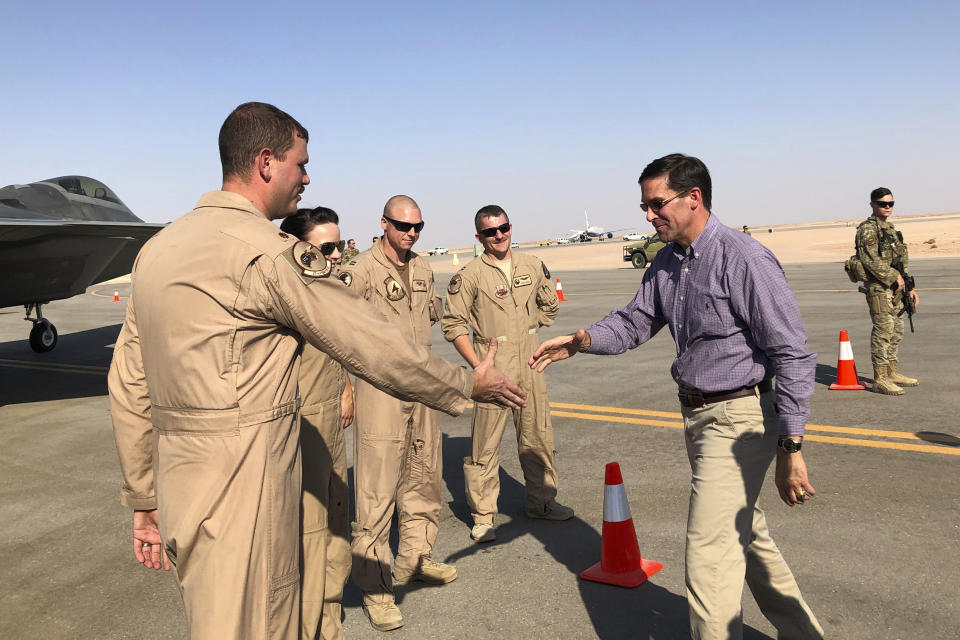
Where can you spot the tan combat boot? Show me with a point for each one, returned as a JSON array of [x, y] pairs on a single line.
[[429, 571], [882, 383], [384, 616], [899, 378]]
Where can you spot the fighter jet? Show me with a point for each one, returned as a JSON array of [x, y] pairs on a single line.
[[59, 236]]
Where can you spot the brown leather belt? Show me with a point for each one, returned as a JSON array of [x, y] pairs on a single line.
[[694, 398]]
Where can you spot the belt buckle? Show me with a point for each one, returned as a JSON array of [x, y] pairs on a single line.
[[692, 398]]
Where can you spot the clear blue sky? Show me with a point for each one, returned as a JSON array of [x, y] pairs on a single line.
[[548, 109]]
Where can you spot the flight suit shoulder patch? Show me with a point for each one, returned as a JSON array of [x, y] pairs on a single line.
[[546, 272], [346, 278], [455, 283], [307, 262]]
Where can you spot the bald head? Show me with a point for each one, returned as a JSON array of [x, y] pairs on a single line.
[[398, 204]]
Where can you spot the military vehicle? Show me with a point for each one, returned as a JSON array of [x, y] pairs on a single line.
[[639, 254]]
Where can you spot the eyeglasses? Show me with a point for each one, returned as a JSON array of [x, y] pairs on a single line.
[[327, 247], [659, 203], [883, 204], [492, 231], [404, 227]]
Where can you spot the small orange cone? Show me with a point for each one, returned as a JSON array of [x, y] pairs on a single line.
[[846, 369], [620, 560], [116, 295], [560, 291]]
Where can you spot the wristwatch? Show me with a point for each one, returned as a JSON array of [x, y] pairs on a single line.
[[789, 445]]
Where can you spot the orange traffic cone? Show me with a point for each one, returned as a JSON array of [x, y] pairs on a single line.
[[116, 295], [620, 560], [846, 369], [560, 291]]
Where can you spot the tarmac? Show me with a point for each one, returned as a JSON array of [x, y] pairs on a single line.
[[875, 553]]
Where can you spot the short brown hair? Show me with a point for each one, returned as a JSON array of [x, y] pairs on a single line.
[[489, 211], [683, 173], [251, 127]]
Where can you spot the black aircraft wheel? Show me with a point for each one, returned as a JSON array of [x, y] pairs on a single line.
[[43, 336], [639, 260]]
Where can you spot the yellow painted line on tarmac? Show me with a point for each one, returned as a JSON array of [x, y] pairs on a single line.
[[104, 295], [621, 419], [54, 366], [635, 412], [906, 435], [675, 421], [879, 444]]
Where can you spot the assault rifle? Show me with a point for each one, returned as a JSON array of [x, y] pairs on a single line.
[[908, 285]]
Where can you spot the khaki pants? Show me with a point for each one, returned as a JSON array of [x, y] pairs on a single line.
[[397, 466], [730, 446], [535, 445], [325, 545], [229, 506]]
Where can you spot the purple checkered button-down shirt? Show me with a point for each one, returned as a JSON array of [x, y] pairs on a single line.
[[733, 317]]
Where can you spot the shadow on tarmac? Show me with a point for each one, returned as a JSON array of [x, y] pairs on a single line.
[[937, 437], [649, 611], [38, 377]]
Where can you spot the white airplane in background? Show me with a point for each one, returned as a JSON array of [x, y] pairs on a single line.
[[589, 233]]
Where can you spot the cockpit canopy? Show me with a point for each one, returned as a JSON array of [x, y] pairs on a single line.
[[84, 186]]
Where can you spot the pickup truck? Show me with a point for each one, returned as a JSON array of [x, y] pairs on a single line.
[[437, 251]]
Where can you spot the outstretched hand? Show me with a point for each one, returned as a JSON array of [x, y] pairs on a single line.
[[491, 385], [147, 545], [555, 349]]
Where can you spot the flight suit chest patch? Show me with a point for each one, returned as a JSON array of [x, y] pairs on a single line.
[[523, 281], [502, 291], [308, 262], [419, 285], [394, 289]]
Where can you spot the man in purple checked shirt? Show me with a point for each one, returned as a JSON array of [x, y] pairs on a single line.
[[736, 326]]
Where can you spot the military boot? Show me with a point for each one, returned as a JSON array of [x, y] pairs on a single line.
[[428, 570], [899, 378], [384, 616], [882, 383]]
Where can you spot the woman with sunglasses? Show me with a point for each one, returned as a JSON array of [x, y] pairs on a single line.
[[326, 410], [883, 253]]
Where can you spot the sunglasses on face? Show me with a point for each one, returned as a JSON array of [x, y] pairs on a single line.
[[882, 204], [659, 203], [491, 232], [327, 247], [404, 227]]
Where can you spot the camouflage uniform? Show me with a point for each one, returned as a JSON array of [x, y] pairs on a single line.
[[879, 244], [349, 254]]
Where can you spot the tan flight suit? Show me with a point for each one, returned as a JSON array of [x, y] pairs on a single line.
[[325, 541], [397, 459], [480, 298], [203, 391]]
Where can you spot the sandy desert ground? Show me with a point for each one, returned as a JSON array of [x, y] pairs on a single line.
[[927, 236]]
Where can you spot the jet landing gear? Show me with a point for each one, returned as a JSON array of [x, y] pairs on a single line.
[[43, 336]]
